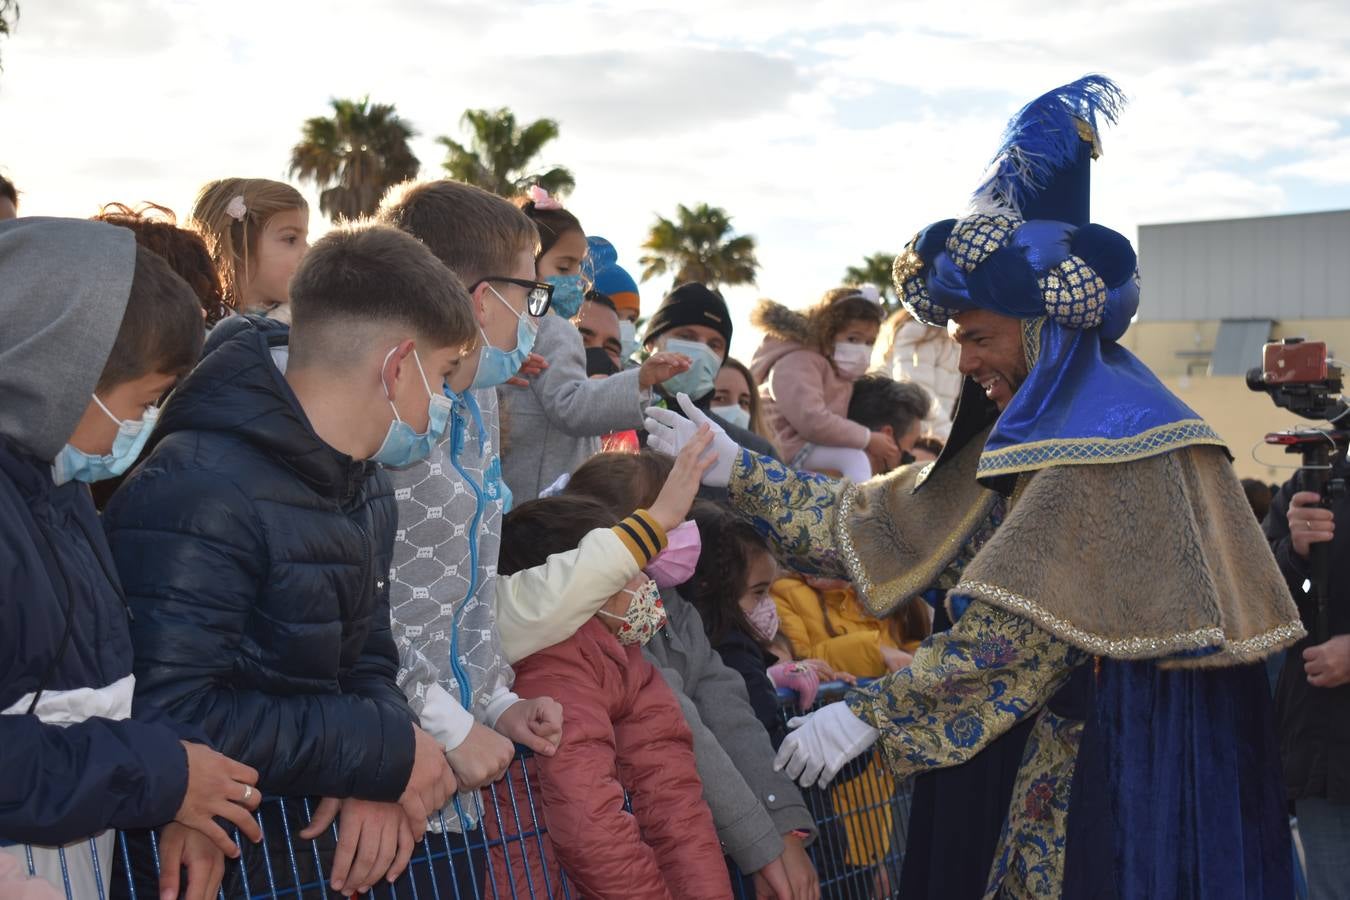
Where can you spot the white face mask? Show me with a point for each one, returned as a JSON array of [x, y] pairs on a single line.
[[735, 414], [852, 359], [628, 339]]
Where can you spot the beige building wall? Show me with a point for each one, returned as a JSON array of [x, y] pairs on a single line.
[[1178, 353]]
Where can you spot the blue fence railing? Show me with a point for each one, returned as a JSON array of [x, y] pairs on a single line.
[[862, 820]]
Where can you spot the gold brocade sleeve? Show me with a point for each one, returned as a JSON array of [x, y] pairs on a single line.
[[965, 687], [795, 510]]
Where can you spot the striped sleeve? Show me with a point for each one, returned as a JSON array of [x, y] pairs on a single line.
[[643, 537]]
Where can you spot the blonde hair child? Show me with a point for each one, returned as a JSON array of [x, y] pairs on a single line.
[[257, 231]]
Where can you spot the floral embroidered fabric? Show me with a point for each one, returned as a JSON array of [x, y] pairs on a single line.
[[1029, 862], [794, 510]]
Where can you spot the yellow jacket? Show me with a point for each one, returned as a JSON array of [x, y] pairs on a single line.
[[858, 637]]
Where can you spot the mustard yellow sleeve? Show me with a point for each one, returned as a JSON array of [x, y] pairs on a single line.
[[791, 622], [858, 654], [642, 535]]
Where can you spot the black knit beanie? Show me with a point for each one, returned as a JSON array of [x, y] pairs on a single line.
[[690, 304]]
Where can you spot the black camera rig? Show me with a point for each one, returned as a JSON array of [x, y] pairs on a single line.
[[1297, 376]]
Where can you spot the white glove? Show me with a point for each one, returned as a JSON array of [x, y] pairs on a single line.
[[668, 432], [822, 744]]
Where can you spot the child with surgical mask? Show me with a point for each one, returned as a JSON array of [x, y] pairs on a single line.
[[557, 421], [625, 732], [806, 367]]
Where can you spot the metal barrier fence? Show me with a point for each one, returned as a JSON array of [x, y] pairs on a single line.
[[862, 819]]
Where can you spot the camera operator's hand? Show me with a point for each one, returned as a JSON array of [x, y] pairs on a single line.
[[1328, 665], [1309, 523]]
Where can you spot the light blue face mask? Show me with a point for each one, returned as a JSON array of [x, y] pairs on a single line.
[[496, 366], [568, 292], [73, 464], [734, 414], [698, 380], [402, 445], [627, 339]]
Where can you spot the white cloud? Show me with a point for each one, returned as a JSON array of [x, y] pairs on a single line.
[[827, 128]]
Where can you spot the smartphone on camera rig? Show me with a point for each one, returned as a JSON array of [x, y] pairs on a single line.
[[1297, 376]]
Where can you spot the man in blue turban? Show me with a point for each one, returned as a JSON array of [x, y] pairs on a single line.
[[1110, 594]]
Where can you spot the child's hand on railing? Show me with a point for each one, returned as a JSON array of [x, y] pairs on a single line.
[[217, 786], [481, 758], [681, 487], [431, 783], [181, 848], [536, 723], [827, 673], [375, 840], [799, 677]]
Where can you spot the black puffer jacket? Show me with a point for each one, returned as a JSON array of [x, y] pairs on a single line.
[[256, 558]]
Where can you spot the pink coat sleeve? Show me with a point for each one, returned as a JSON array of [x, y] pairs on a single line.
[[798, 384]]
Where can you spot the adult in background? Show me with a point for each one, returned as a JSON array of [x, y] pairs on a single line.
[[736, 398], [694, 321], [1312, 696], [909, 350]]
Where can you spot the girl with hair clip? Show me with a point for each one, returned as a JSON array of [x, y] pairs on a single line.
[[557, 421], [257, 231], [806, 367]]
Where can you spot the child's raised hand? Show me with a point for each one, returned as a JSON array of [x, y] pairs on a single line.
[[536, 723], [681, 487], [532, 366], [661, 366]]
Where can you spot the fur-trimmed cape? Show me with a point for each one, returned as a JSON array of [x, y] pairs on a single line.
[[1157, 558]]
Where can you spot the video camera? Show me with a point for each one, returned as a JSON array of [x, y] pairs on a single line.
[[1298, 377]]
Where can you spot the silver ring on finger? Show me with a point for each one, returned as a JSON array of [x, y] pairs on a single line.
[[248, 792]]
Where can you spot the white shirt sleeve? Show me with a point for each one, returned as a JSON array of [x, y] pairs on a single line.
[[539, 607]]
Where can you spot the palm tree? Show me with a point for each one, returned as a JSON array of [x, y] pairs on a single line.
[[500, 153], [698, 246], [9, 16], [875, 270], [354, 156]]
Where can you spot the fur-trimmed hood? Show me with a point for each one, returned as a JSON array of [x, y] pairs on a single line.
[[785, 331]]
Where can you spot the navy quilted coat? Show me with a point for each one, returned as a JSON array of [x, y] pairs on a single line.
[[255, 558]]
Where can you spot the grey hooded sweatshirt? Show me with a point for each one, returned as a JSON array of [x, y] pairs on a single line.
[[60, 309]]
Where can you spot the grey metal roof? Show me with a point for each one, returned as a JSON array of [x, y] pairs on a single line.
[[1269, 267]]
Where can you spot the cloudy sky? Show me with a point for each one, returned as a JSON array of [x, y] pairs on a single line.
[[827, 129]]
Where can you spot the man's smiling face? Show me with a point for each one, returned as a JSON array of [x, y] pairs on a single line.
[[991, 352]]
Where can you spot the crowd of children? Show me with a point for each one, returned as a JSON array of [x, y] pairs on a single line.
[[373, 511]]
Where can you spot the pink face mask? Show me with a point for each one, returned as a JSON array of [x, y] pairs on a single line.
[[675, 564]]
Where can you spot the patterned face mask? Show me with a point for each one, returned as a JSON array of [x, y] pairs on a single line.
[[646, 614]]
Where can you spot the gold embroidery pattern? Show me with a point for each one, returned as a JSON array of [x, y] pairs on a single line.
[[1213, 638], [976, 237], [1087, 451], [1074, 295], [1031, 340], [906, 265], [914, 294]]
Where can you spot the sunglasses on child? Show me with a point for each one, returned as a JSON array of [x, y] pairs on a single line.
[[538, 294]]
